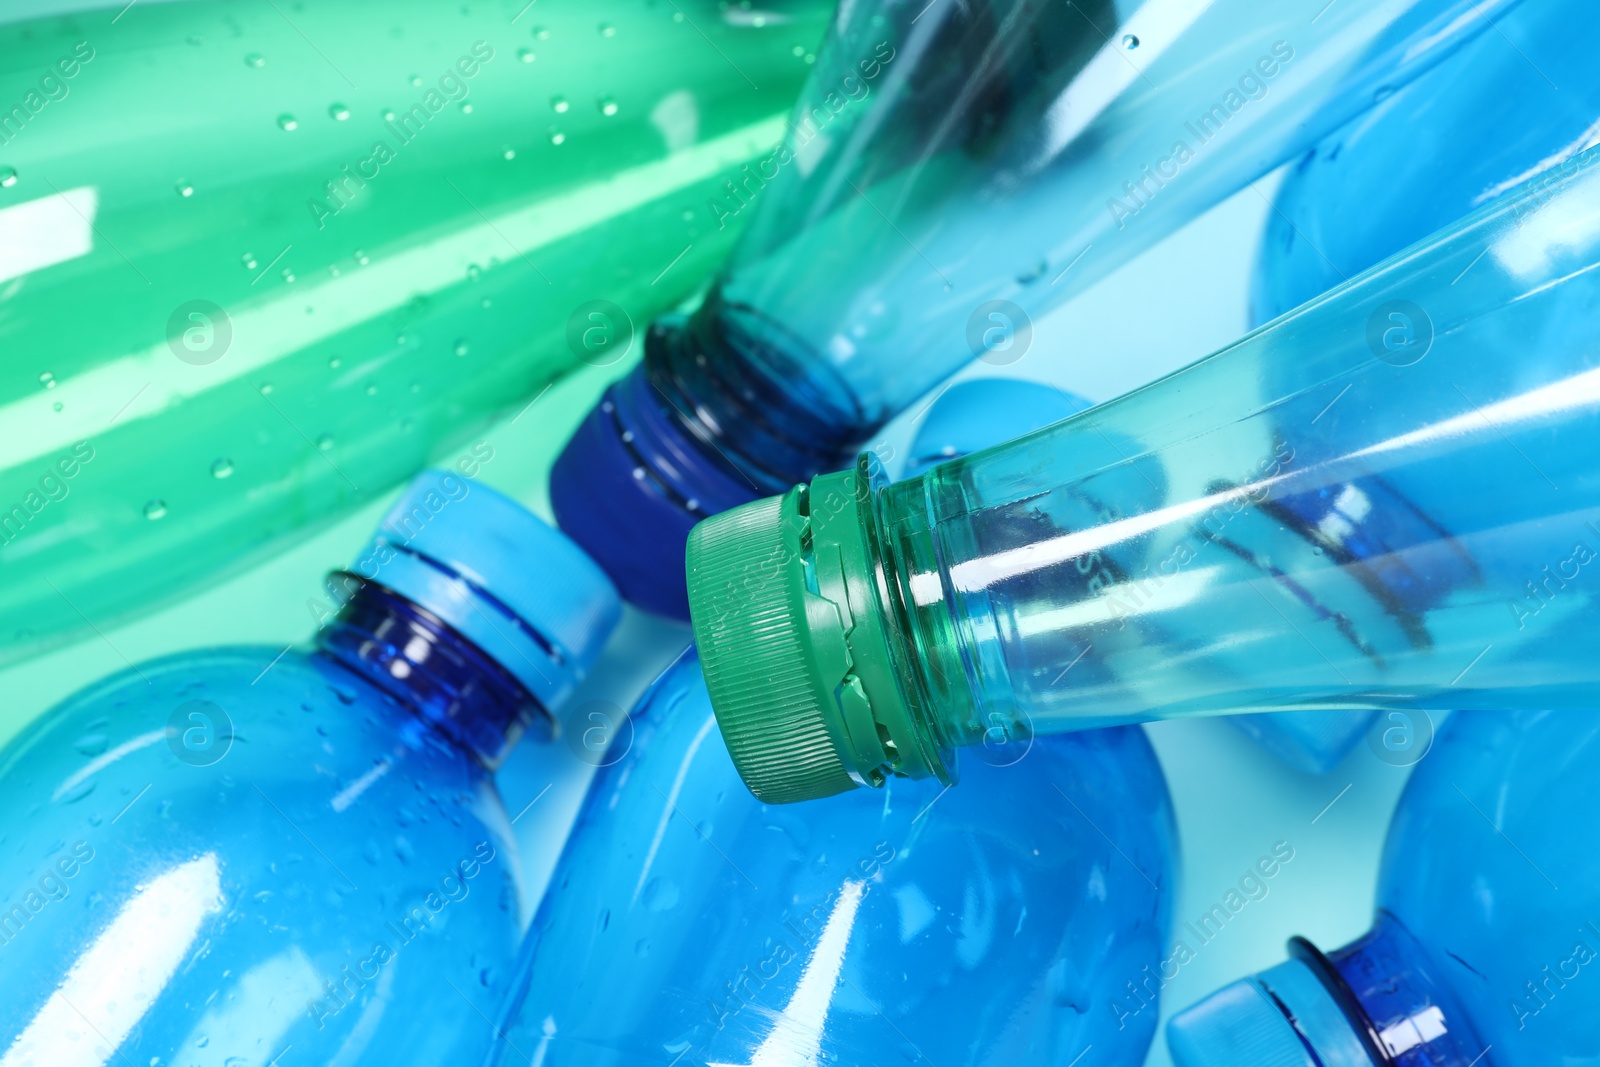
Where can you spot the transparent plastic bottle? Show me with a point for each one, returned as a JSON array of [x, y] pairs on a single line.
[[1514, 104], [258, 266], [226, 854], [1427, 542], [951, 170], [1485, 928], [689, 923]]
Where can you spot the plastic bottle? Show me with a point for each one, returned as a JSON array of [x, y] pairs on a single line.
[[1426, 547], [1485, 925], [972, 415], [219, 856], [687, 922], [950, 171], [231, 314], [1455, 139]]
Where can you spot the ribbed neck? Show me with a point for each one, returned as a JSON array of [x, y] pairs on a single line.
[[419, 660]]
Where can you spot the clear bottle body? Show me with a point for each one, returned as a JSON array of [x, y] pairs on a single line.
[[219, 856], [687, 919], [384, 243], [1456, 138], [1385, 499], [952, 171]]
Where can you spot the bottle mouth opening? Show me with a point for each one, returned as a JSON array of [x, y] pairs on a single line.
[[799, 645]]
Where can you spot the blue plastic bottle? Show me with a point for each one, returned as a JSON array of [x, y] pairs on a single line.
[[246, 855], [972, 415], [1459, 137], [950, 171], [1001, 923], [1488, 923]]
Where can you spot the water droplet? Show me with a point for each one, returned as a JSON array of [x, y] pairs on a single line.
[[388, 114], [811, 57], [91, 744], [335, 363], [184, 188], [57, 406], [1130, 42], [372, 390], [661, 894], [361, 258], [256, 60], [461, 347], [325, 442], [485, 303], [155, 509], [288, 274], [607, 105], [559, 105], [221, 467], [47, 380], [540, 33], [677, 16], [195, 39], [507, 152], [607, 30], [798, 50], [265, 388], [466, 107], [1383, 93], [557, 137], [287, 121], [526, 55], [416, 81], [474, 272], [8, 177], [339, 112], [641, 947]]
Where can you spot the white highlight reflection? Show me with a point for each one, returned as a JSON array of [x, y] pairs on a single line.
[[115, 981], [41, 233], [796, 1038]]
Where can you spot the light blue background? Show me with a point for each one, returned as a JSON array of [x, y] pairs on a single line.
[[1180, 301]]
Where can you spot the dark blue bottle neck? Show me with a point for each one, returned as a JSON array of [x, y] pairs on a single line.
[[754, 396], [417, 659], [1395, 998]]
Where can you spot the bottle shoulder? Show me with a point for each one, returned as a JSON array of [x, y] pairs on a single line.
[[997, 890], [250, 848], [1493, 864]]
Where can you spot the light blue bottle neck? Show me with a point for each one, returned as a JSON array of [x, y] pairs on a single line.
[[417, 659]]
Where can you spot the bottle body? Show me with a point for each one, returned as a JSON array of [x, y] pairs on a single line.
[[949, 173], [336, 265], [1415, 163], [211, 871], [1414, 554], [1484, 923], [688, 919]]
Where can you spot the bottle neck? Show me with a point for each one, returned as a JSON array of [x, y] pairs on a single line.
[[1395, 998], [417, 659], [754, 397]]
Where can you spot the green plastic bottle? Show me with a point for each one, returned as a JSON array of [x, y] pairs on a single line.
[[261, 262], [1386, 499]]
